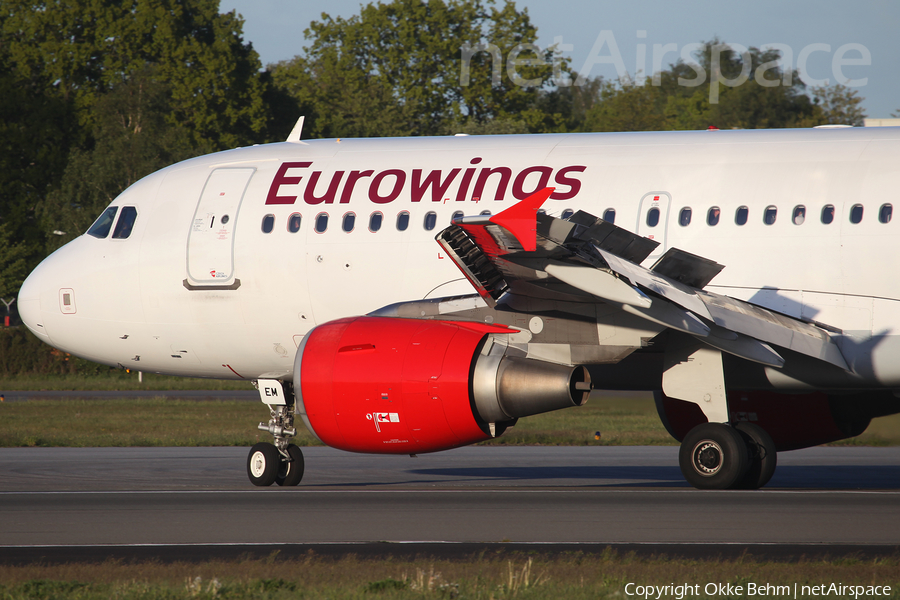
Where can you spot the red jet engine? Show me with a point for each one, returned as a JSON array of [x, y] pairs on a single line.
[[405, 386]]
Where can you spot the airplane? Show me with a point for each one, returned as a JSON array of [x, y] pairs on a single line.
[[412, 295]]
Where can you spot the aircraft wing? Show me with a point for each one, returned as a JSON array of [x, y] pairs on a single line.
[[583, 258]]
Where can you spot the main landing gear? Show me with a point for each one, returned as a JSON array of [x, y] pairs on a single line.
[[281, 462], [717, 456]]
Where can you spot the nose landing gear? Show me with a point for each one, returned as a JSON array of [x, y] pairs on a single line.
[[281, 462]]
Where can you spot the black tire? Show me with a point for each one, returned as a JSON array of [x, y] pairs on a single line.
[[291, 473], [713, 456], [263, 463], [762, 455]]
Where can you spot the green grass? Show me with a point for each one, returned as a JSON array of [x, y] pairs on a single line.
[[883, 431], [620, 421], [117, 380], [490, 575], [133, 422], [170, 422]]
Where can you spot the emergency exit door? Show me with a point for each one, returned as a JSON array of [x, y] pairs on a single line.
[[653, 220]]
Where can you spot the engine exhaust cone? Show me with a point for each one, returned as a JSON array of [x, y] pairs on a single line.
[[526, 387]]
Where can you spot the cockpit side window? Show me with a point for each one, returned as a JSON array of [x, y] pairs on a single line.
[[125, 223], [100, 228]]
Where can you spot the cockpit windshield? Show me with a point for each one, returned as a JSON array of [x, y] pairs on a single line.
[[125, 222], [100, 228]]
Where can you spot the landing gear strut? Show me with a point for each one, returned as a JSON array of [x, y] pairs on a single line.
[[281, 462], [717, 456]]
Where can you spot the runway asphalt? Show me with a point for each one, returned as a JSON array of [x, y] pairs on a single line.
[[62, 499]]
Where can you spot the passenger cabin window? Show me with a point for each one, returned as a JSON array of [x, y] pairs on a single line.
[[567, 213], [375, 220], [100, 228], [799, 215], [828, 214], [609, 215], [430, 220], [268, 223], [740, 215], [856, 213], [348, 222], [712, 216], [321, 222], [485, 213], [770, 215], [885, 213], [294, 222], [125, 223], [456, 215], [402, 221], [653, 217], [684, 217]]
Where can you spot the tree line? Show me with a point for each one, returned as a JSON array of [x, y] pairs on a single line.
[[95, 94]]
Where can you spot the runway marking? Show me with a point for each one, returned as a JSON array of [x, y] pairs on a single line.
[[458, 491]]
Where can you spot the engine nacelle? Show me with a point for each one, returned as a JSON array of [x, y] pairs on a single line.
[[404, 386]]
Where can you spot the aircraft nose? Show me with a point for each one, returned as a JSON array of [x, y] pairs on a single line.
[[29, 303]]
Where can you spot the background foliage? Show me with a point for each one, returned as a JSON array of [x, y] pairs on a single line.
[[95, 94]]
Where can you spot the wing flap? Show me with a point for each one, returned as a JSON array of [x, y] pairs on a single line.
[[757, 322], [599, 283], [674, 291], [744, 347]]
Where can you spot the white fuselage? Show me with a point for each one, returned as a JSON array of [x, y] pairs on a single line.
[[185, 296]]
